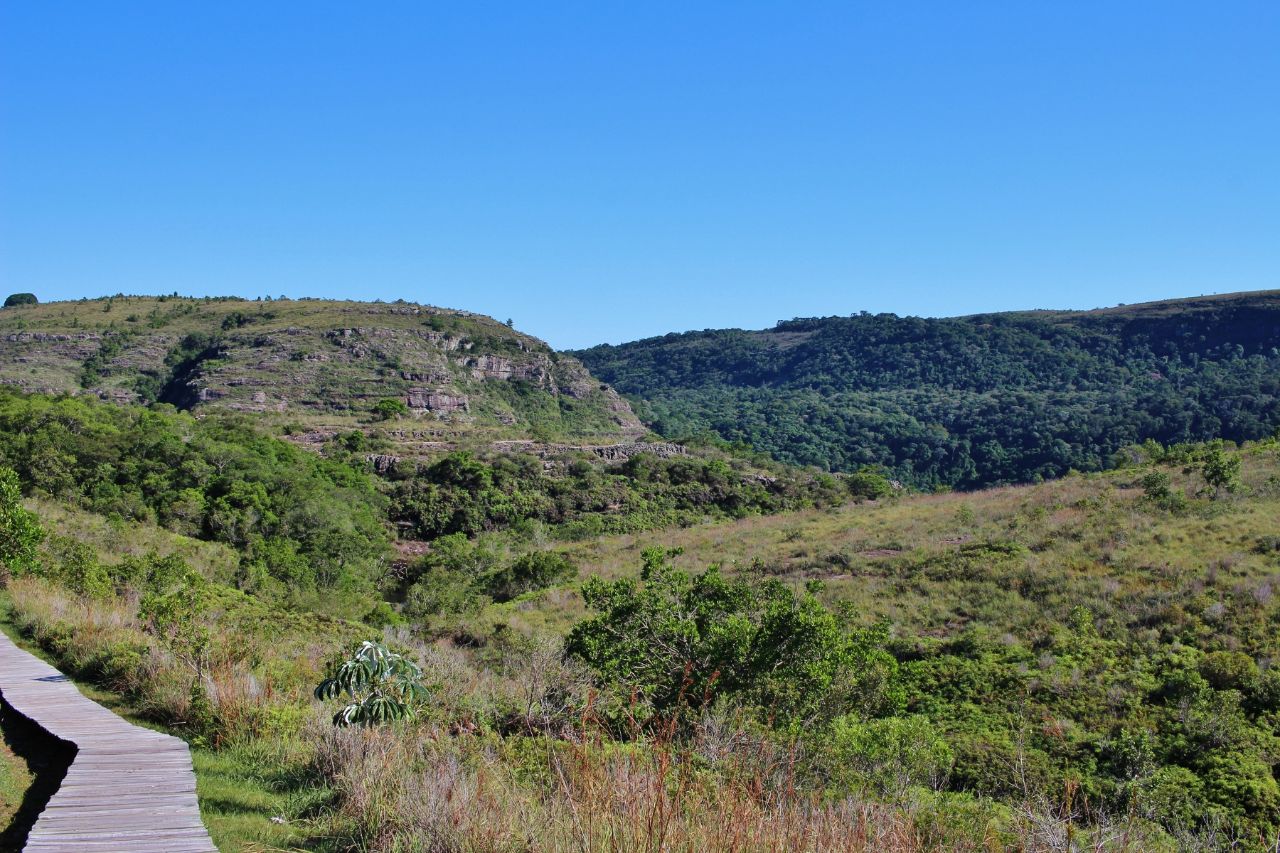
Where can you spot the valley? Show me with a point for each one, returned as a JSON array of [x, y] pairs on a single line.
[[595, 635]]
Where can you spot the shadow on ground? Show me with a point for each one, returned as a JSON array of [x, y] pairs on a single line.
[[47, 759]]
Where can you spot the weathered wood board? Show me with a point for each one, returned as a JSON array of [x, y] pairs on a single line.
[[128, 789]]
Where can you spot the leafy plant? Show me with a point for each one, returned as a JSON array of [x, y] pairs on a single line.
[[20, 531], [381, 686], [683, 641], [1221, 471], [388, 409], [528, 573]]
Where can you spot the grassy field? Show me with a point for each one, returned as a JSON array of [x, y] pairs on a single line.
[[250, 799], [1041, 550]]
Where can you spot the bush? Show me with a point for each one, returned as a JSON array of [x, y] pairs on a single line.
[[892, 754], [682, 641], [20, 532], [529, 573], [387, 409], [868, 486], [1228, 670], [380, 686], [16, 299]]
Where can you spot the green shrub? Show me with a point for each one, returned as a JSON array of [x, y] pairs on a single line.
[[867, 485], [380, 686], [20, 531], [1228, 670], [388, 409], [892, 754], [528, 573], [683, 641]]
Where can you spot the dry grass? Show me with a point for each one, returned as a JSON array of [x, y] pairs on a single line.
[[1086, 538], [418, 790], [104, 640]]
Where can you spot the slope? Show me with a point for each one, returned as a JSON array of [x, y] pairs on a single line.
[[317, 361], [966, 401]]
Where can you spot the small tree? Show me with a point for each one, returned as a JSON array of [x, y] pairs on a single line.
[[530, 572], [681, 641], [20, 532], [867, 485], [381, 687], [1157, 488], [1221, 471], [16, 299], [389, 408]]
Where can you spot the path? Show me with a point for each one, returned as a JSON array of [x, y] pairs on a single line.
[[128, 790]]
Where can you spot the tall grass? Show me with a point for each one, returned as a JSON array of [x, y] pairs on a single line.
[[417, 789], [104, 641]]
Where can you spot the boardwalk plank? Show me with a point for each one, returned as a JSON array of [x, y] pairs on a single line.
[[129, 789]]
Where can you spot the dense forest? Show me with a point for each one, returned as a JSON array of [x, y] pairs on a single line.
[[969, 401]]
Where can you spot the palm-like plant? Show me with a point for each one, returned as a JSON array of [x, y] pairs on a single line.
[[381, 686]]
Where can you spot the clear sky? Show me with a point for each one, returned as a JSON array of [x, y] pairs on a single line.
[[604, 171]]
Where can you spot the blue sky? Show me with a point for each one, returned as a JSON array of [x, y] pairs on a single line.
[[604, 171]]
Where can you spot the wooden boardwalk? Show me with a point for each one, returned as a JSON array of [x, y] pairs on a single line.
[[128, 790]]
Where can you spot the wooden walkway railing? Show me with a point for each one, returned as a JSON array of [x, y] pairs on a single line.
[[128, 790]]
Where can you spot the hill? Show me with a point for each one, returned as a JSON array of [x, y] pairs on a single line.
[[966, 401], [318, 362]]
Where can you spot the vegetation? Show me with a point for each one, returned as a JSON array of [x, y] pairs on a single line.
[[306, 528], [380, 686], [15, 778], [16, 299], [1002, 669], [461, 492], [970, 401], [539, 645], [388, 409], [681, 642], [322, 364]]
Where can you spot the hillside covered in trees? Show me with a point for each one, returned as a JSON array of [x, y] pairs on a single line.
[[966, 401]]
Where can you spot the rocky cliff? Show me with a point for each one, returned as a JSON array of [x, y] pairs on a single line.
[[306, 358]]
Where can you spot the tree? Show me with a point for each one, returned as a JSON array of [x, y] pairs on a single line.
[[16, 299], [529, 572], [381, 687], [388, 408], [20, 531], [682, 641], [868, 485], [1221, 471]]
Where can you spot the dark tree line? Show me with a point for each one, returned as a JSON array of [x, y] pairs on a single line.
[[969, 401]]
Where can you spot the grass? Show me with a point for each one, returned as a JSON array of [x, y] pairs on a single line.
[[114, 540], [253, 797], [1090, 538], [261, 796], [15, 779], [1012, 560]]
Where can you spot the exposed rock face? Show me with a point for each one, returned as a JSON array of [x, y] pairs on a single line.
[[623, 452], [382, 463], [436, 401]]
